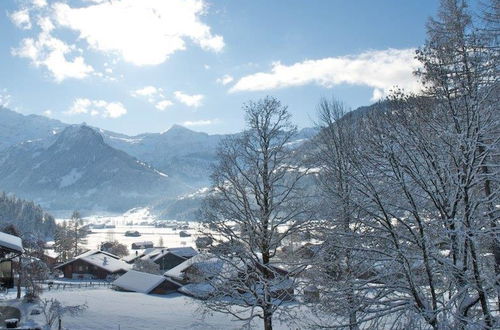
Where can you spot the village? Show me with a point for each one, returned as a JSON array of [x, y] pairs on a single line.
[[182, 272]]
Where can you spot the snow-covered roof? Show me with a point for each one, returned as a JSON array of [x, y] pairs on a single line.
[[183, 252], [139, 281], [11, 242], [197, 290], [137, 254], [143, 243], [176, 272], [101, 259], [106, 262], [51, 253]]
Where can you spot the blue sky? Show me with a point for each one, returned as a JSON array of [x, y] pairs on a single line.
[[141, 66]]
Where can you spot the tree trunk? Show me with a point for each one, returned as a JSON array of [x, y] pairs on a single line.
[[19, 272], [268, 320]]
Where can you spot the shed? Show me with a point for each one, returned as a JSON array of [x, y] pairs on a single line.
[[145, 283]]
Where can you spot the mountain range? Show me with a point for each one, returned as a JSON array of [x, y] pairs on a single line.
[[65, 167]]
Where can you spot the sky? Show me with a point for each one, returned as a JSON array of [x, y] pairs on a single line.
[[135, 66]]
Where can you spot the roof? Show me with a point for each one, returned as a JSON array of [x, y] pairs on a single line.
[[131, 257], [143, 243], [139, 281], [176, 272], [101, 259], [11, 242], [197, 290], [183, 252]]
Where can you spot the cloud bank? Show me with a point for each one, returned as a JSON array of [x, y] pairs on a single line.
[[194, 100], [96, 107], [381, 70], [143, 32]]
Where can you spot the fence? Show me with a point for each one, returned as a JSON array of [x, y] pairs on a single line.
[[74, 285]]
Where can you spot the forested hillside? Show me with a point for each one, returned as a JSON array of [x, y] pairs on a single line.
[[27, 217]]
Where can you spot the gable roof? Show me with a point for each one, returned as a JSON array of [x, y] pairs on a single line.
[[182, 252], [101, 259], [11, 242], [140, 281], [177, 271], [136, 255]]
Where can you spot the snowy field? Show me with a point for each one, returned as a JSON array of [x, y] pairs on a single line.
[[109, 309], [140, 220]]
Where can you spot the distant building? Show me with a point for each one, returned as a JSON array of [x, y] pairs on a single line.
[[142, 245], [50, 257], [10, 247], [132, 233], [171, 257], [94, 264], [135, 281]]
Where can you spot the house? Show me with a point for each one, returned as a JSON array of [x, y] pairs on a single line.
[[169, 258], [198, 273], [135, 281], [50, 257], [94, 264], [132, 233], [196, 269], [10, 247], [142, 245]]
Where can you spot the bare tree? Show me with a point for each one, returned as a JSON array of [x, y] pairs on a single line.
[[53, 310], [258, 201]]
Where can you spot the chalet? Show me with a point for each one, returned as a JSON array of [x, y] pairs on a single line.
[[197, 274], [94, 264], [134, 281], [197, 269], [142, 245], [50, 257], [171, 257], [10, 247]]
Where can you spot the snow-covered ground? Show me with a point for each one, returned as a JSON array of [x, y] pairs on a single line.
[[140, 220], [109, 309], [170, 237]]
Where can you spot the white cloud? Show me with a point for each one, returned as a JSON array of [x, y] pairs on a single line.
[[224, 80], [50, 52], [45, 24], [47, 113], [4, 98], [146, 91], [114, 110], [96, 107], [153, 95], [189, 100], [162, 105], [200, 122], [381, 70], [40, 3], [21, 19], [143, 32]]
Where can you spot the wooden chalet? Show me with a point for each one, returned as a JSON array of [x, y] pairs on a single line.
[[94, 264]]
